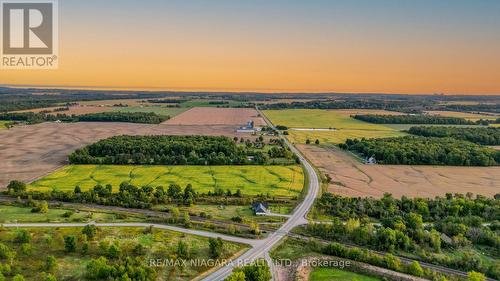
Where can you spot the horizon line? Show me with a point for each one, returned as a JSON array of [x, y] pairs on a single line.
[[227, 90]]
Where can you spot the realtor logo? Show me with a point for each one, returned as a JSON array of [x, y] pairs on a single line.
[[29, 34]]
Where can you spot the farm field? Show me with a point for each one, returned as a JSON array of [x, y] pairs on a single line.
[[353, 178], [17, 214], [340, 136], [466, 115], [332, 274], [319, 118], [73, 110], [110, 103], [403, 127], [350, 112], [158, 109], [33, 151], [210, 103], [216, 116], [73, 266], [345, 126], [252, 180]]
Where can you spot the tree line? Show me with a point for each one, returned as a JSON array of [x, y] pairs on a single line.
[[388, 261], [130, 117], [483, 136], [431, 210], [412, 119], [407, 106], [416, 150], [177, 150], [474, 107], [168, 101], [416, 226]]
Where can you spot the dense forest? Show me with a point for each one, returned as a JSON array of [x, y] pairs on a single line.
[[431, 210], [416, 226], [412, 119], [413, 150], [407, 106], [177, 150], [168, 101], [474, 108], [12, 99], [131, 117], [484, 136]]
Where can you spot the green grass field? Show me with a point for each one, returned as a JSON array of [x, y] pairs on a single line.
[[252, 180], [158, 109], [330, 274], [12, 214], [346, 127], [318, 118], [402, 127], [72, 266], [339, 136]]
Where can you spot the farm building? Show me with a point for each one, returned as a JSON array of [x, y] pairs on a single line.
[[260, 209], [371, 160], [249, 128]]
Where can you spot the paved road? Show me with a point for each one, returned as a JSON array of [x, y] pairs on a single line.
[[261, 250], [251, 242]]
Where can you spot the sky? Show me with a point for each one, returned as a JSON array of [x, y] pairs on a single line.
[[383, 46]]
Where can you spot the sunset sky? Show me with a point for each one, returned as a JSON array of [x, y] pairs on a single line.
[[399, 46]]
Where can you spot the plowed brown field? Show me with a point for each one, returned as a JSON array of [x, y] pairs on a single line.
[[216, 116], [29, 152], [352, 178]]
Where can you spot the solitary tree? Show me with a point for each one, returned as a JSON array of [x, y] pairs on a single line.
[[475, 276], [18, 277], [236, 276], [182, 250], [77, 190], [16, 186], [216, 247], [90, 230], [69, 243], [415, 269], [50, 264]]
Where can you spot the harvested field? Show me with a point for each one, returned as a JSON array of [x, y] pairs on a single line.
[[352, 178], [217, 116], [339, 136], [350, 112], [73, 110], [129, 102], [252, 180], [466, 115], [319, 118], [30, 152], [160, 110]]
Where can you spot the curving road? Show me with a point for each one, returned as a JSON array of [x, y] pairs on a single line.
[[262, 247], [250, 242]]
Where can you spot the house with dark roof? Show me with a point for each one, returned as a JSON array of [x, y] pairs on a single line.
[[260, 209]]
